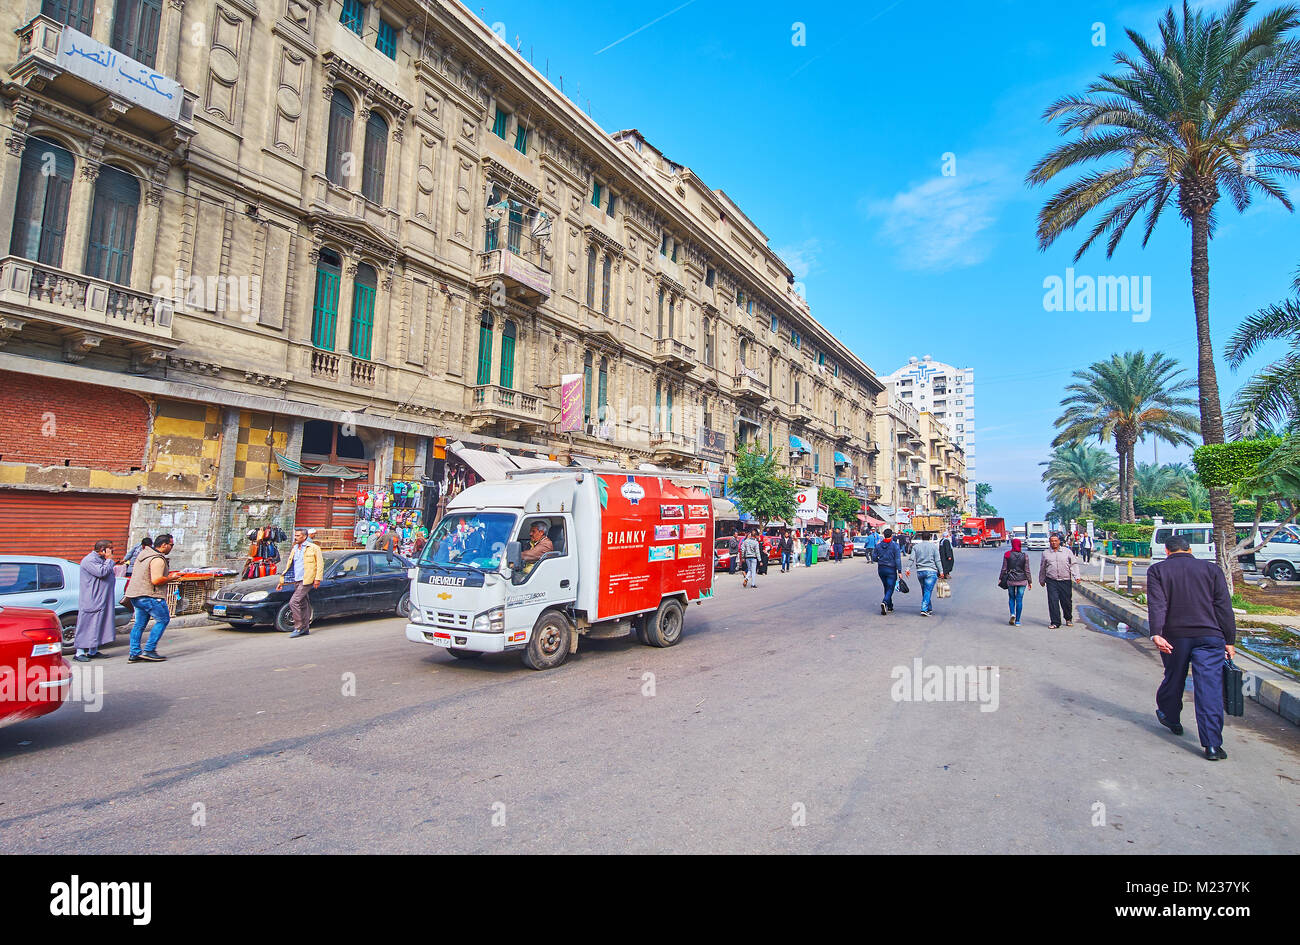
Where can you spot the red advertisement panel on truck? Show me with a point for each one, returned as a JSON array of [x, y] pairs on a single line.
[[656, 539]]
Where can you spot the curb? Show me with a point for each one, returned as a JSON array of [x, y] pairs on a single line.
[[1271, 689]]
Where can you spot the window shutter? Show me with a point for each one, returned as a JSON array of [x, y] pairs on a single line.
[[111, 245], [376, 155], [325, 309], [484, 352], [508, 355], [79, 14], [135, 29], [363, 312], [340, 137]]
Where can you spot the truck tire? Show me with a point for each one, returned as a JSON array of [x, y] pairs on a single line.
[[664, 626], [548, 647]]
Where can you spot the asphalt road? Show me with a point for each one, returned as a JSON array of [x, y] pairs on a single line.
[[773, 727]]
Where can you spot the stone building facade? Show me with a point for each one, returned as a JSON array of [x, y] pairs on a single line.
[[251, 236]]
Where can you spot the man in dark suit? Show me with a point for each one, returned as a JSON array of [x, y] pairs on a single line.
[[1190, 611]]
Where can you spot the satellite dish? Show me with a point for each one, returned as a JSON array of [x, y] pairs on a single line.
[[541, 228]]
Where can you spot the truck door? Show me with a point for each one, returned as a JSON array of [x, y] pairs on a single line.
[[548, 579]]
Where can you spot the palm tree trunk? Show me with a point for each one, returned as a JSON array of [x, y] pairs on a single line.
[[1208, 383], [1132, 480], [1123, 479]]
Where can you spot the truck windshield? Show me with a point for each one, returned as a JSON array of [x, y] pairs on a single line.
[[969, 530], [469, 540]]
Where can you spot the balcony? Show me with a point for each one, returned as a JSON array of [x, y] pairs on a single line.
[[493, 405], [53, 58], [671, 447], [905, 448], [669, 352], [83, 312], [518, 264], [803, 475], [842, 433], [873, 493], [801, 413], [749, 386]]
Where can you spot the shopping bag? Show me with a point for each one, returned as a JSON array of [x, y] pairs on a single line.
[[943, 589], [902, 586]]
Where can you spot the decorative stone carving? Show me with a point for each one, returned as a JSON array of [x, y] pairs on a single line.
[[77, 346], [287, 134]]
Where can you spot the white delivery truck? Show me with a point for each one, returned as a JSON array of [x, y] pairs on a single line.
[[628, 551], [1036, 535]]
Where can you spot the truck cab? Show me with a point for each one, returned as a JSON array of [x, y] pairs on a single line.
[[1037, 535]]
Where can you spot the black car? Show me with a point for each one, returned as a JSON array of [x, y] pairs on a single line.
[[356, 583]]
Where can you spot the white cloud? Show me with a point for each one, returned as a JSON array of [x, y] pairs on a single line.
[[801, 257], [941, 223]]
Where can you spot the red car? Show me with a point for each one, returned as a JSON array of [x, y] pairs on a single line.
[[34, 676], [722, 554]]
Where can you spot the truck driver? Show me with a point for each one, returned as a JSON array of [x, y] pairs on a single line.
[[539, 544]]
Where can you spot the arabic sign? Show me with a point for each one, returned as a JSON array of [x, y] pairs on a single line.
[[121, 75], [713, 444], [570, 403], [806, 504]]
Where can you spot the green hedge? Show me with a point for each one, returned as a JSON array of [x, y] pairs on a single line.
[[1128, 532], [1223, 464]]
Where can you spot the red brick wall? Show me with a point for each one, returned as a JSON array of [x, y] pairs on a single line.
[[47, 421]]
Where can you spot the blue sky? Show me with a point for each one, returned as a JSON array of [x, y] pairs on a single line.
[[835, 148]]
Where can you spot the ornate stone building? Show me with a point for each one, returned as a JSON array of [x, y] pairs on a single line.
[[289, 237]]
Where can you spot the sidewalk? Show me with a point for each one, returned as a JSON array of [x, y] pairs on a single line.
[[1271, 689]]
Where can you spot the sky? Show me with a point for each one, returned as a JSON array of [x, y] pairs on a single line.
[[832, 127]]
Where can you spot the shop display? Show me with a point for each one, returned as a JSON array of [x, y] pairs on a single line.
[[396, 508]]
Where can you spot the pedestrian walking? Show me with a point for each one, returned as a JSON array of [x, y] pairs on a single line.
[[1085, 548], [873, 539], [733, 545], [798, 551], [1190, 613], [1057, 568], [837, 544], [749, 551], [306, 568], [128, 563], [929, 568], [95, 600], [889, 561], [787, 551], [1015, 577], [947, 557], [146, 592], [762, 553]]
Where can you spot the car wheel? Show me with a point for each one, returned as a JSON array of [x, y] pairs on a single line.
[[404, 606], [664, 626], [1281, 571], [68, 623], [464, 654], [548, 647], [284, 620]]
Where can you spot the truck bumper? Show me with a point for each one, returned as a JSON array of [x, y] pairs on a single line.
[[463, 639]]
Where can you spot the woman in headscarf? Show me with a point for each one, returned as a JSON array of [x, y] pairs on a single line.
[[1015, 578]]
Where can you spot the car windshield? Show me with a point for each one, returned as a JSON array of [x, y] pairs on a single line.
[[469, 540]]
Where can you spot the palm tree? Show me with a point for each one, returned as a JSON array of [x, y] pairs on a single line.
[[1124, 399], [1156, 482], [1199, 497], [1210, 109], [1078, 474], [1273, 395]]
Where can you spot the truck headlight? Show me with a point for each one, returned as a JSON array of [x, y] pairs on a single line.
[[254, 597], [417, 615], [491, 621]]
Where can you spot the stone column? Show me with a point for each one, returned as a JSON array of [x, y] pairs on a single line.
[[11, 166], [146, 239], [81, 201], [293, 451], [170, 39], [221, 511]]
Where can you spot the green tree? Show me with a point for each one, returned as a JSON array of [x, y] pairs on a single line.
[[1157, 482], [1271, 396], [945, 502], [1125, 399], [1209, 108], [840, 505], [760, 488], [1105, 510], [984, 508], [1078, 474], [1198, 497]]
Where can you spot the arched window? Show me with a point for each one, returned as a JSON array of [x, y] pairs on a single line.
[[485, 349], [744, 350], [661, 314], [340, 138], [586, 388], [363, 311], [708, 344], [508, 355], [41, 210], [659, 406], [591, 277], [602, 392], [325, 307], [135, 29], [672, 309], [605, 278], [112, 226], [376, 154]]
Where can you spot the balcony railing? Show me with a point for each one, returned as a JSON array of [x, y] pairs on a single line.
[[671, 352], [65, 297], [493, 402], [667, 441], [325, 365], [750, 386], [515, 258], [363, 373], [803, 474]]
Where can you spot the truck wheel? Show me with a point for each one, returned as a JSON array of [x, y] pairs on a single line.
[[548, 647], [464, 654], [664, 626]]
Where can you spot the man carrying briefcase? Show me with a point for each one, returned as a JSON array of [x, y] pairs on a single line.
[[1190, 612]]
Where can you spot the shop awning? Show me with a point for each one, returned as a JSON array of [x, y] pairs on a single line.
[[533, 462], [324, 470], [798, 444], [724, 510], [872, 520], [589, 462], [488, 466], [841, 459]]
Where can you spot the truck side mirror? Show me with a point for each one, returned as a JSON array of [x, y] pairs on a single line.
[[514, 556]]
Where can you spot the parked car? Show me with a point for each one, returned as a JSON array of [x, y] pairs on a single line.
[[1279, 558], [722, 554], [31, 662], [860, 545], [50, 584], [356, 583]]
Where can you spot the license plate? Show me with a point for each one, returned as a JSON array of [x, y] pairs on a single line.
[[218, 610], [442, 639]]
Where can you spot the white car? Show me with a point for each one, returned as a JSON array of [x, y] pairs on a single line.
[[1279, 558], [52, 584]]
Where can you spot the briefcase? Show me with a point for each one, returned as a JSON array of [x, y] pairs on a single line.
[[1234, 697]]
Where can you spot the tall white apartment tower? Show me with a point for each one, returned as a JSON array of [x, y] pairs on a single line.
[[949, 393]]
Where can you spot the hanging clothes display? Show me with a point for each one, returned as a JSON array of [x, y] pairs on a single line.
[[391, 516]]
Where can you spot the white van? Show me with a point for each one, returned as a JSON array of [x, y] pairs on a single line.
[[1200, 535]]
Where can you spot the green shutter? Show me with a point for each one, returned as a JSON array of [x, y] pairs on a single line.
[[484, 354], [595, 193], [499, 124], [325, 310], [521, 139], [586, 393], [602, 396], [363, 319], [507, 360]]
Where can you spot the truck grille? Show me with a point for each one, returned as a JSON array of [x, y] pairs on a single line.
[[448, 619]]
